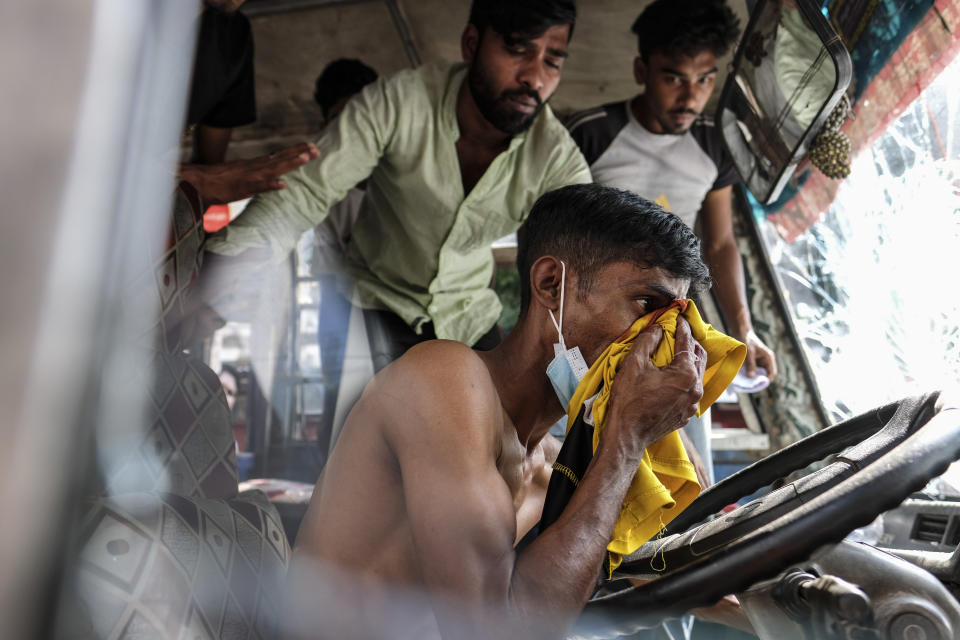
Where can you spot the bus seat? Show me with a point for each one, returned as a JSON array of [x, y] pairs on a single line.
[[170, 548]]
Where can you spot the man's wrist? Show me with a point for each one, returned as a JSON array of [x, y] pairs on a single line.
[[742, 326], [191, 173], [622, 444]]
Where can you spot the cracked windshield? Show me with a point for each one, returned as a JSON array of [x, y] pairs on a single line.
[[871, 285]]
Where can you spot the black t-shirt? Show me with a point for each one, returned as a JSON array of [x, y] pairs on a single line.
[[222, 93]]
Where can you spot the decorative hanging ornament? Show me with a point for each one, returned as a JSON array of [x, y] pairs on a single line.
[[830, 152]]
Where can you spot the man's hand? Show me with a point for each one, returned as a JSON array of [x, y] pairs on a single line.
[[232, 181], [758, 354], [649, 402], [726, 268], [727, 611]]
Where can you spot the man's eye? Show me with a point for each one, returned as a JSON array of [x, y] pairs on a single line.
[[553, 64]]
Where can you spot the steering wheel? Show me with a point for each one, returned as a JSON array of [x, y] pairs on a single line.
[[896, 450]]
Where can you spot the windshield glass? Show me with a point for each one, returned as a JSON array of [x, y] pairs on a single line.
[[870, 284]]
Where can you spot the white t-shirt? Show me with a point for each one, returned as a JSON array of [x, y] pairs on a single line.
[[675, 171]]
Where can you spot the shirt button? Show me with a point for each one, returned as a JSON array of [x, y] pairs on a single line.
[[433, 308], [464, 304]]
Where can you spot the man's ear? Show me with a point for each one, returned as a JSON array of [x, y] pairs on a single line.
[[469, 43], [640, 70], [546, 276]]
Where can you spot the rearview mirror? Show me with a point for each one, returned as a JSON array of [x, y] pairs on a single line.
[[789, 72]]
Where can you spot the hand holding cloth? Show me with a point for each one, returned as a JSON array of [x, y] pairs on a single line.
[[666, 482]]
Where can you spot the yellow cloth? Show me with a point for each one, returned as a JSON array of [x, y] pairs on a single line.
[[666, 483]]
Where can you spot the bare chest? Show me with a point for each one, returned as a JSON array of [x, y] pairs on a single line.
[[474, 162], [527, 475]]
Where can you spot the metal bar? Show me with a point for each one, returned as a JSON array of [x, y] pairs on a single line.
[[257, 8], [743, 209], [403, 30]]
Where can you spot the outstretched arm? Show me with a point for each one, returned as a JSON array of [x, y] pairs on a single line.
[[726, 267], [350, 149], [461, 511], [231, 181]]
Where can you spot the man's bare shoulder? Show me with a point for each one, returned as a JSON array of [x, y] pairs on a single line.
[[438, 361], [437, 385]]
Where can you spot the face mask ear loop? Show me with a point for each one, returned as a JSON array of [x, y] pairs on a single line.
[[559, 327], [563, 283]]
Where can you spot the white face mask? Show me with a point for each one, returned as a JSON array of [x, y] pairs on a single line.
[[568, 367]]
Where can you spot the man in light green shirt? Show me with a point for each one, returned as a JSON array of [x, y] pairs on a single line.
[[454, 158]]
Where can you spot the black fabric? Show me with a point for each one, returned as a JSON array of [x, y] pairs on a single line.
[[572, 462], [222, 92], [390, 337], [574, 456], [711, 141], [594, 129], [527, 538], [489, 340]]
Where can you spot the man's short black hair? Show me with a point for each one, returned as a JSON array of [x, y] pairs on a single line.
[[525, 18], [341, 79], [686, 27], [589, 226]]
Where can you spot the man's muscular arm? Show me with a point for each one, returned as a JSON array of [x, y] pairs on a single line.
[[726, 267], [445, 431]]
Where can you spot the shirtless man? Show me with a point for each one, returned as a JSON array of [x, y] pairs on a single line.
[[443, 464]]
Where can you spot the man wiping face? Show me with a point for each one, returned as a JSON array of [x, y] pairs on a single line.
[[639, 260], [451, 445]]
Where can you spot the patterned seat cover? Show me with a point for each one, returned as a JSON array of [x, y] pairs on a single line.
[[170, 549]]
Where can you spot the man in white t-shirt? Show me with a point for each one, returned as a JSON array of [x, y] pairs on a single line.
[[658, 145]]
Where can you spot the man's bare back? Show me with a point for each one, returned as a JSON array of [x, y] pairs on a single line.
[[440, 392]]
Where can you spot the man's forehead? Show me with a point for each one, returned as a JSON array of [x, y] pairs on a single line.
[[556, 37], [697, 64], [626, 274]]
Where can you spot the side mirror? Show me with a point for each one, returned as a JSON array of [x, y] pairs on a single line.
[[789, 72]]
